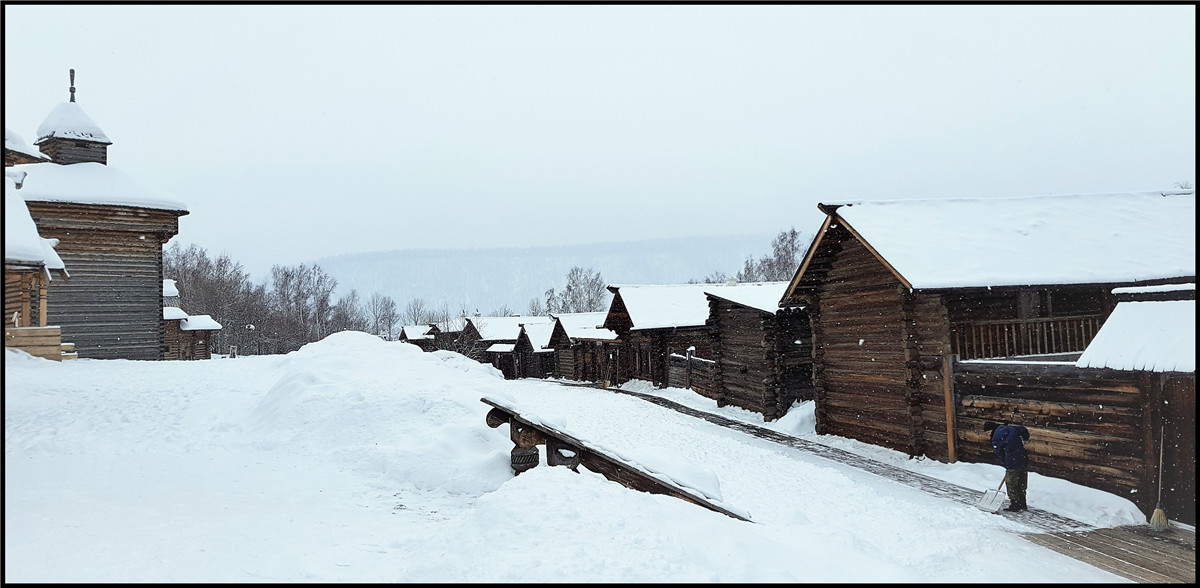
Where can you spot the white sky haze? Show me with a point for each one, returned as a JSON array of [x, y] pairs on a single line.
[[304, 131]]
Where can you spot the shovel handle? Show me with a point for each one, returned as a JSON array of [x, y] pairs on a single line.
[[1001, 484]]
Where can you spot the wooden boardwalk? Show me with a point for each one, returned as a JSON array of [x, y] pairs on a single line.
[[1133, 552]]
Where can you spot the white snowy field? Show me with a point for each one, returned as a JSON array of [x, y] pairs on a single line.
[[360, 460]]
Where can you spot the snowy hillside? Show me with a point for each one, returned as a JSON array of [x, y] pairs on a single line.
[[485, 279]]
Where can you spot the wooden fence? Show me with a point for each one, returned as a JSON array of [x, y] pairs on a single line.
[[693, 373]]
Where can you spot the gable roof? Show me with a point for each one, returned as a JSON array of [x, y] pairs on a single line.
[[765, 297], [412, 332], [680, 305], [1032, 240], [1152, 335], [504, 328], [538, 335], [585, 325]]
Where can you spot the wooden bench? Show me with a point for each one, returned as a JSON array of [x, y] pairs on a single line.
[[562, 448]]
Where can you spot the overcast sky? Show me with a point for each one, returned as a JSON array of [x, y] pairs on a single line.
[[298, 132]]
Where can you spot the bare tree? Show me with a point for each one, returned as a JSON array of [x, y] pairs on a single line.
[[383, 315], [779, 266], [585, 292], [536, 308], [416, 313]]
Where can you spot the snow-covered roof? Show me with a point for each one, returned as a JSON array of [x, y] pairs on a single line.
[[539, 335], [22, 243], [67, 120], [1155, 336], [14, 142], [497, 328], [173, 313], [500, 348], [411, 332], [169, 288], [765, 297], [199, 322], [585, 325], [1033, 240], [1155, 289], [679, 305], [89, 183]]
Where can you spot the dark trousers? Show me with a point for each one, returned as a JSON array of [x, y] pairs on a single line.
[[1016, 481]]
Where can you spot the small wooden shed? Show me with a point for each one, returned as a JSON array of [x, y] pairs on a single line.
[[110, 229], [583, 349], [185, 337], [655, 321], [533, 357], [763, 353]]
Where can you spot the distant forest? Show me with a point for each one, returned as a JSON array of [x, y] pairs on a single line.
[[295, 305]]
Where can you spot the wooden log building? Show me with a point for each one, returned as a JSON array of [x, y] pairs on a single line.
[[654, 321], [490, 339], [899, 292], [584, 350], [185, 337], [423, 336], [110, 229], [533, 357], [763, 353]]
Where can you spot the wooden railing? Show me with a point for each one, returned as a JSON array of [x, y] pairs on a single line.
[[1007, 338]]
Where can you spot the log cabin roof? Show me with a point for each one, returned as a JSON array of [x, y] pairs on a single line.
[[90, 183], [504, 328], [22, 243], [173, 313], [1153, 336], [414, 332], [199, 322], [678, 305], [500, 348], [585, 325], [15, 143], [538, 335], [67, 120], [169, 288], [765, 298], [1026, 241]]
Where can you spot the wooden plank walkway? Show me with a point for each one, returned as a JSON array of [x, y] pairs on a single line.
[[1133, 552]]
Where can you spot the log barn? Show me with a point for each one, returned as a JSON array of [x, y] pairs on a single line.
[[30, 266], [423, 336], [533, 357], [584, 350], [110, 229], [185, 337], [490, 339], [654, 321], [931, 316], [762, 353]]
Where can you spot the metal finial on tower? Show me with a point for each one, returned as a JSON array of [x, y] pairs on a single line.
[[72, 85]]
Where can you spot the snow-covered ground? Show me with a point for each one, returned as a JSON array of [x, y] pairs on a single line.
[[359, 460]]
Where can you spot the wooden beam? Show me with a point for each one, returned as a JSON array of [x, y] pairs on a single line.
[[951, 407]]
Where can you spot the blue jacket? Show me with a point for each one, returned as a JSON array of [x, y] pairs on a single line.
[[1008, 440]]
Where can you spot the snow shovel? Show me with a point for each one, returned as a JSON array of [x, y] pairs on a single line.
[[992, 499]]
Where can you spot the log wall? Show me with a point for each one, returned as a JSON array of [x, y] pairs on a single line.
[[111, 308], [66, 151], [764, 363], [1097, 428]]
